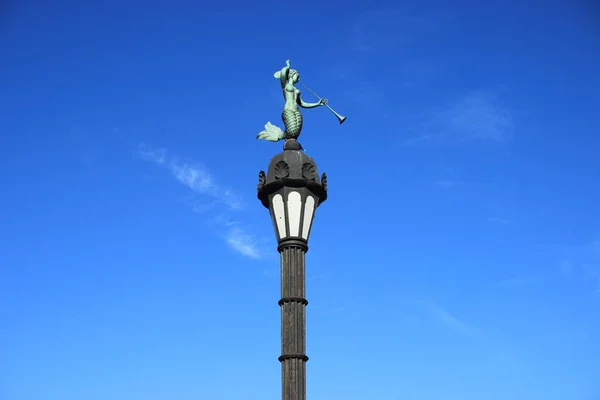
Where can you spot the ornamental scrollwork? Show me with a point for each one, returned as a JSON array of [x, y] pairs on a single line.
[[282, 170], [309, 171], [262, 179]]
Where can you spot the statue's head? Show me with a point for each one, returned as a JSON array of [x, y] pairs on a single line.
[[294, 75]]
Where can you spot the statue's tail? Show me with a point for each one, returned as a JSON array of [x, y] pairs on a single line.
[[271, 133]]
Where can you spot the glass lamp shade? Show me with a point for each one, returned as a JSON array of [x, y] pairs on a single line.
[[292, 211]]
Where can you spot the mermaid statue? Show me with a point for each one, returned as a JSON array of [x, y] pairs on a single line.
[[291, 116]]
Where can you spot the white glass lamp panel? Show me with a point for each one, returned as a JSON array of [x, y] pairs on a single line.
[[279, 215], [309, 211], [294, 205]]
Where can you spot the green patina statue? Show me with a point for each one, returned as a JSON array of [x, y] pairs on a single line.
[[291, 116]]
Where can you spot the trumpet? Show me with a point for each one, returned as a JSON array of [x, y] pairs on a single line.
[[340, 118]]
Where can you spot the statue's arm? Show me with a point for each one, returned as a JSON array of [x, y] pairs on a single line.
[[304, 104], [283, 75]]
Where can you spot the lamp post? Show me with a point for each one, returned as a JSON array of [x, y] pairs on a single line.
[[292, 190]]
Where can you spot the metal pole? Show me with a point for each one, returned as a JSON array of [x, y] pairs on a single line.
[[293, 320]]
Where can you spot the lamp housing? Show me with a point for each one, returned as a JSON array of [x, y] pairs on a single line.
[[292, 190]]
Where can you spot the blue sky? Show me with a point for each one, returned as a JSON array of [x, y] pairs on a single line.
[[457, 257]]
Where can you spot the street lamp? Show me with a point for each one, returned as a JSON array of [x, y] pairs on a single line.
[[292, 190]]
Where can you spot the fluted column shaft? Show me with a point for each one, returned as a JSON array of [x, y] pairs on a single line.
[[293, 322]]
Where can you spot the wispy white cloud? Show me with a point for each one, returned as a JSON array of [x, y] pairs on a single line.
[[157, 156], [193, 175], [209, 196], [450, 320], [478, 115], [243, 242]]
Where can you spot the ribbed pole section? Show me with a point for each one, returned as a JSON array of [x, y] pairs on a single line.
[[293, 321]]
